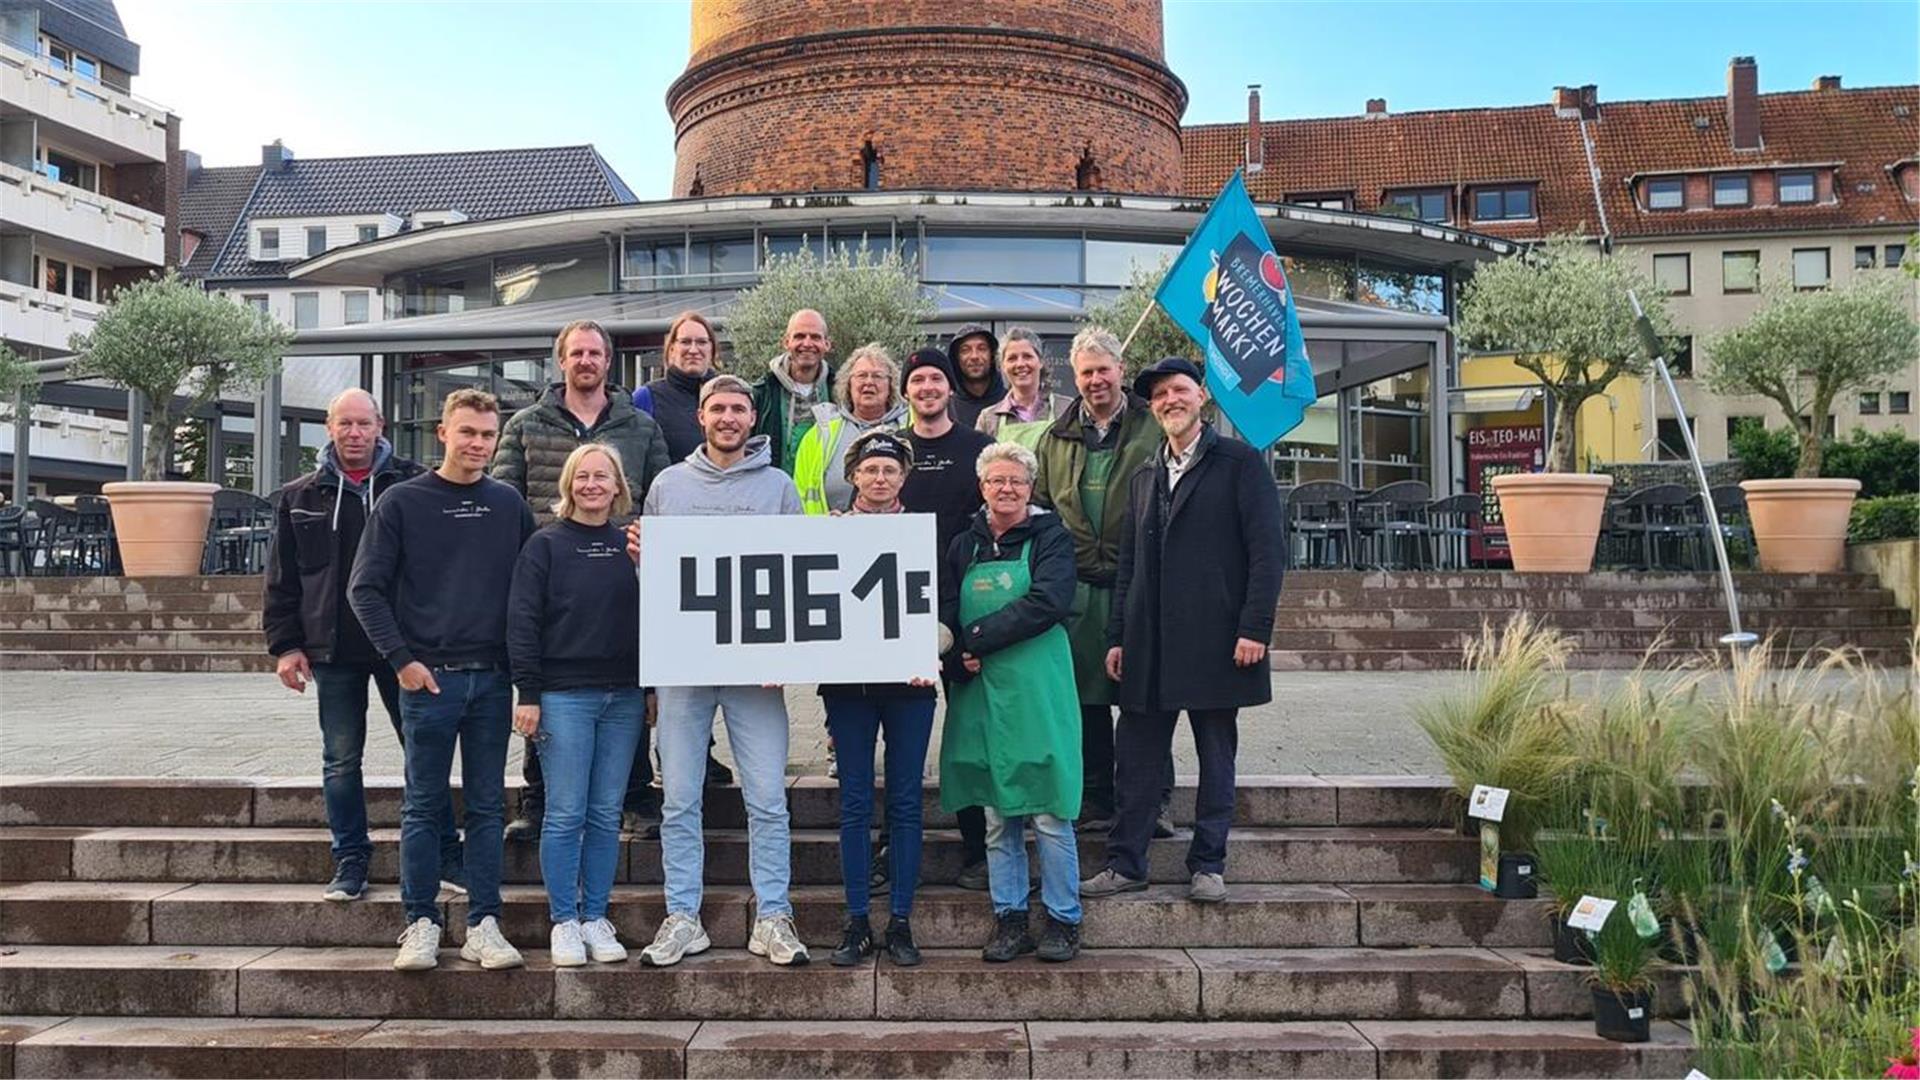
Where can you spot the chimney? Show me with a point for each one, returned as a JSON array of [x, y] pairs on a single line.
[[1566, 102], [192, 161], [1826, 82], [1743, 102], [274, 156], [1590, 102], [1376, 108], [1256, 150]]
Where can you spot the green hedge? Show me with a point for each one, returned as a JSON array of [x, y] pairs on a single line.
[[1885, 463], [1894, 517]]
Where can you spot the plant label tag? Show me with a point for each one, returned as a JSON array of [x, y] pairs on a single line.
[[1773, 955], [1696, 1074], [1645, 922], [1489, 856], [1488, 803], [1636, 1013], [1591, 913]]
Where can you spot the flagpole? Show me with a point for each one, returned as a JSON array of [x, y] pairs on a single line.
[[1137, 324]]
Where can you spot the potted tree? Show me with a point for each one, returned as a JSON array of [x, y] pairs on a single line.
[[1564, 314], [166, 337], [1803, 351]]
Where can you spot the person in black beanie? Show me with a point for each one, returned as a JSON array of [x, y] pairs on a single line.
[[943, 482]]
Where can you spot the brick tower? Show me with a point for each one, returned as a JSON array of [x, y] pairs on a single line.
[[841, 95]]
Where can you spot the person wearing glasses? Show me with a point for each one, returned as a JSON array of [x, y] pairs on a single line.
[[1011, 743], [866, 395], [673, 399]]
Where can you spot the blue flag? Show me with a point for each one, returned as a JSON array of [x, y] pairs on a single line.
[[1228, 291]]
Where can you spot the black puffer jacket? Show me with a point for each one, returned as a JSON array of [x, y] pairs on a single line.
[[316, 530], [536, 441]]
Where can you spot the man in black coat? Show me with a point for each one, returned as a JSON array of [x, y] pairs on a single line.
[[1200, 566]]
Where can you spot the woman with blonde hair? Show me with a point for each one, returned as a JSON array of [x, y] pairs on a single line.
[[573, 644]]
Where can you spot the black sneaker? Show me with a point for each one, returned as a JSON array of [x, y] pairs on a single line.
[[1010, 939], [349, 881], [900, 947], [1059, 942], [856, 942], [718, 775], [524, 829], [973, 876], [641, 824]]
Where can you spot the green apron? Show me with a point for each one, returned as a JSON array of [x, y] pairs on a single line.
[[1087, 626], [1012, 735], [1025, 432]]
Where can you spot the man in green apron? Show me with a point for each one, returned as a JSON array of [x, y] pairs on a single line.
[[1090, 451], [1011, 743]]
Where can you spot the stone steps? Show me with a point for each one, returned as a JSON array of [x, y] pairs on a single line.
[[187, 1046], [135, 621], [1255, 916], [1692, 618], [1620, 660], [1588, 641]]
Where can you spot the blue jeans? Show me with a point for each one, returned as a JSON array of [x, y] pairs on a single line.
[[476, 708], [756, 719], [1059, 865], [907, 724], [590, 735], [342, 692]]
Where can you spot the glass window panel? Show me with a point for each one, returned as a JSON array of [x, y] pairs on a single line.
[[306, 310], [1730, 190], [55, 277], [67, 169], [82, 283], [256, 301], [1113, 262], [369, 232], [316, 241], [1863, 257], [550, 275], [269, 243], [791, 243], [1896, 254], [1673, 273], [1869, 404], [519, 382], [460, 287], [1796, 187], [1811, 268], [1520, 202], [1003, 260], [636, 258], [1487, 205], [1899, 401], [356, 308], [1667, 193], [1739, 271]]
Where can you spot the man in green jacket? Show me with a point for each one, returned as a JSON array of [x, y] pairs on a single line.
[[797, 380], [1086, 458], [581, 408]]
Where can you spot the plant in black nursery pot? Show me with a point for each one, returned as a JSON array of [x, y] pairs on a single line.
[[1622, 988]]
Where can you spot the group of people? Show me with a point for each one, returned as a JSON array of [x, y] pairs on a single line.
[[1097, 549]]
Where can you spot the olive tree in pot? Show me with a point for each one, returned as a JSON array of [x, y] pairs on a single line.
[[1563, 311], [166, 337], [1804, 351]]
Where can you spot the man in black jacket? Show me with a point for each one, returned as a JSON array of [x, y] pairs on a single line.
[[316, 530], [1199, 573]]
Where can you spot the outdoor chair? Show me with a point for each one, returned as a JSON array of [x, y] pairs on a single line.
[[1657, 528], [13, 548], [237, 533], [49, 537], [1736, 527], [93, 535], [1391, 526], [1454, 524], [1319, 520]]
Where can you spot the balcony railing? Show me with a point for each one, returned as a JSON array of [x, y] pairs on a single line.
[[34, 84], [120, 233], [44, 319]]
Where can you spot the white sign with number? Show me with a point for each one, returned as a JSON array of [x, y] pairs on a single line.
[[744, 601], [1487, 803]]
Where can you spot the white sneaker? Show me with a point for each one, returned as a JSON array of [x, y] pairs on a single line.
[[777, 940], [568, 949], [680, 935], [489, 948], [419, 946], [603, 942]]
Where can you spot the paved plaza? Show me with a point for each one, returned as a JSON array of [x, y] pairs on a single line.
[[122, 724]]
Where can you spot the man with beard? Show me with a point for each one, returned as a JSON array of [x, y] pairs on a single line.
[[971, 352], [797, 379], [581, 408], [1193, 598]]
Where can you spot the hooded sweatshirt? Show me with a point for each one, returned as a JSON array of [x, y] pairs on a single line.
[[966, 407], [825, 467], [784, 408], [698, 487]]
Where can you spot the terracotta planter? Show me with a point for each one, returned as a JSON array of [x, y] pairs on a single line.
[[1800, 525], [161, 525], [1552, 519]]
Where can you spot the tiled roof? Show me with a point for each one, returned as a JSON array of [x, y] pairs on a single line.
[[1459, 147], [481, 184], [211, 203]]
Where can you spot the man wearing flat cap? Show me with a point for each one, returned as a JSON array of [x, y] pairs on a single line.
[[1199, 573]]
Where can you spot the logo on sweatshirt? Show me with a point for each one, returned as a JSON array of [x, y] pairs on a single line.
[[467, 510], [598, 549]]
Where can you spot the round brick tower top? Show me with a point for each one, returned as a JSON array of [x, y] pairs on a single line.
[[1011, 95]]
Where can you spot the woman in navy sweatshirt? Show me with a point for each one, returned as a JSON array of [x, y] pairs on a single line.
[[573, 640], [860, 713]]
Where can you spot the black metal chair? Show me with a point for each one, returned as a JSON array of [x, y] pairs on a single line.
[[49, 538], [13, 546], [1391, 527], [1319, 518], [237, 533], [1736, 526], [93, 535], [1657, 528], [1455, 524]]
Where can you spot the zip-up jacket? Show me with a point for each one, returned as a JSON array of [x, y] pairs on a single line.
[[536, 441]]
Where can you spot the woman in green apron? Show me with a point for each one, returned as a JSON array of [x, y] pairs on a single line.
[[1023, 415], [1011, 743]]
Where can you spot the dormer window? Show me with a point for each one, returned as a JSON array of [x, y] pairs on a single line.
[[1427, 205], [1508, 203], [1732, 190], [269, 244], [1666, 193], [1795, 187]]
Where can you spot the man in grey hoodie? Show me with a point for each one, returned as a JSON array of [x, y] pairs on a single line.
[[796, 381], [732, 473]]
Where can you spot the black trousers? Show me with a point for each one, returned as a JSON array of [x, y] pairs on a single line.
[[1143, 755], [1097, 764]]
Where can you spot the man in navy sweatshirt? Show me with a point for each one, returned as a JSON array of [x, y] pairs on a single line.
[[430, 588]]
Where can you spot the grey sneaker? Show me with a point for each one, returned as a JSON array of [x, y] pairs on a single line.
[[777, 940], [1110, 882], [419, 946], [488, 947], [973, 876], [1206, 889], [680, 935]]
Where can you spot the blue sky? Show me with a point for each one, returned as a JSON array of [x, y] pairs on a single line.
[[336, 78]]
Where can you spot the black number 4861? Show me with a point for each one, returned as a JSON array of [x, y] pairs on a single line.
[[770, 593]]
